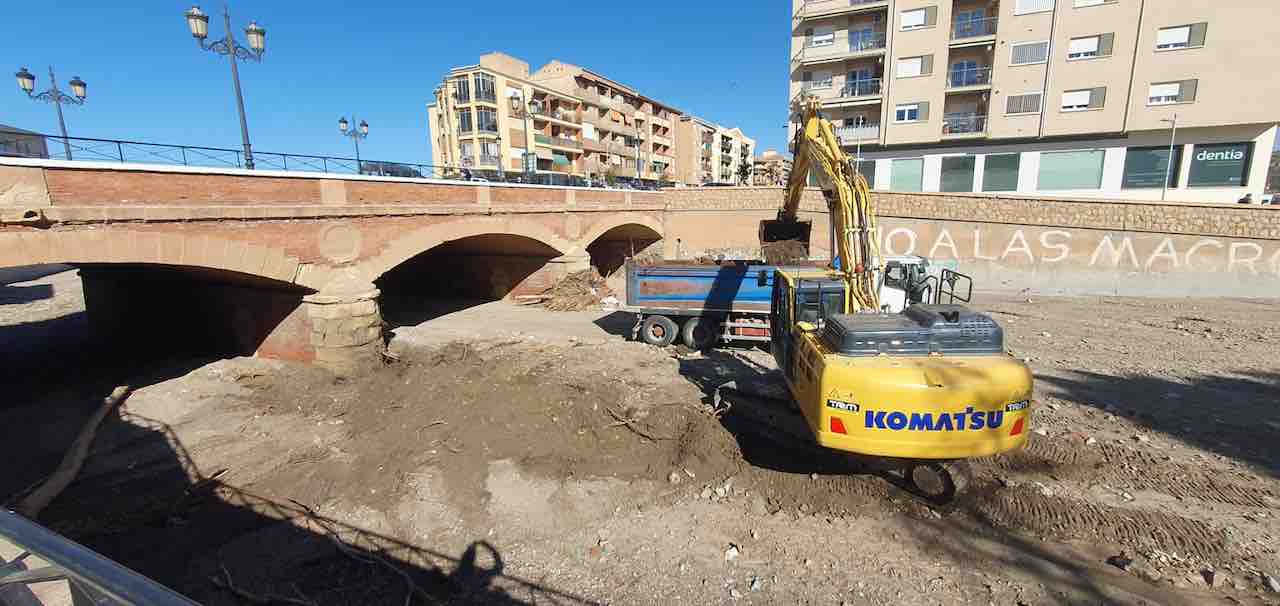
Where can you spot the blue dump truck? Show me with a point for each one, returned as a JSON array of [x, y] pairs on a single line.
[[702, 304]]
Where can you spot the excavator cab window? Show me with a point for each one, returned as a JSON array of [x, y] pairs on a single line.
[[817, 301]]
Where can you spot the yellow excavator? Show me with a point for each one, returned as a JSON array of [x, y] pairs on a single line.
[[927, 385]]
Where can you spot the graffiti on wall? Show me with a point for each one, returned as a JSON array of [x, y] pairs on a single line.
[[1011, 245]]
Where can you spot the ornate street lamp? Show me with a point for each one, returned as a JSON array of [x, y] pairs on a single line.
[[27, 82], [356, 134], [198, 23]]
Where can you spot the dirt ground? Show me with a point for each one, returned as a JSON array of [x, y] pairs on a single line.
[[512, 455]]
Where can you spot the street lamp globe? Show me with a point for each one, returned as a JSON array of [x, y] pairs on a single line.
[[26, 81], [78, 87], [364, 127], [198, 21], [343, 124], [257, 37]]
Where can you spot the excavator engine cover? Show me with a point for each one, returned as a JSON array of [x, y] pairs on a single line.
[[784, 241]]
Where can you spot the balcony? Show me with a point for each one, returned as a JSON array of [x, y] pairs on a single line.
[[964, 125], [487, 160], [814, 9], [857, 44], [557, 141], [975, 77], [967, 29], [851, 135], [487, 96]]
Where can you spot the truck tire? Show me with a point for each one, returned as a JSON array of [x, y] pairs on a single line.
[[658, 330], [699, 333]]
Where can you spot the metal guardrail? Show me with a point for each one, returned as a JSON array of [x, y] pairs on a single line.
[[101, 580], [849, 135], [973, 28], [957, 78], [136, 152], [861, 88], [964, 124]]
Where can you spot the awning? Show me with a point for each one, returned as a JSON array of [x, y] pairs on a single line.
[[562, 160], [543, 154]]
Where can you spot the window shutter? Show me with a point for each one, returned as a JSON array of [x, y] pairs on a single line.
[[1198, 31], [931, 15], [1188, 92], [924, 111], [1023, 104], [1105, 43], [1030, 52], [926, 65], [1097, 97]]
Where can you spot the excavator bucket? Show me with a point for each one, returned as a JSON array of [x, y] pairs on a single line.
[[785, 242]]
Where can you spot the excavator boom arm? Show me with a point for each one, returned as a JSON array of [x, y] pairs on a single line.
[[817, 151]]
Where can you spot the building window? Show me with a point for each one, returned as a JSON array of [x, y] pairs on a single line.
[[1145, 167], [866, 168], [1084, 3], [1083, 48], [909, 67], [1023, 104], [487, 119], [486, 88], [1220, 165], [822, 36], [1070, 170], [1174, 37], [464, 121], [1079, 100], [1023, 7], [957, 173], [906, 174], [1164, 93], [468, 150], [913, 19], [1000, 172], [1029, 53], [907, 112], [461, 90]]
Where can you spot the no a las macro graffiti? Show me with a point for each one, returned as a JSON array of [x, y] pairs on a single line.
[[1130, 251]]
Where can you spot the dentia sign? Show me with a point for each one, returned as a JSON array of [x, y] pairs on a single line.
[[1220, 164]]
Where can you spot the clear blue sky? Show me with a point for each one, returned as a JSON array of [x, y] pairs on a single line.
[[724, 61]]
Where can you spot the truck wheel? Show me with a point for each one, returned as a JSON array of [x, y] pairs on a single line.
[[658, 330], [699, 333]]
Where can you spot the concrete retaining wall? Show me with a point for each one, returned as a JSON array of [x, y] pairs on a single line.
[[1049, 246]]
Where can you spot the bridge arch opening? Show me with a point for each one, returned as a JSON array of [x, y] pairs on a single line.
[[129, 317], [465, 272], [610, 250]]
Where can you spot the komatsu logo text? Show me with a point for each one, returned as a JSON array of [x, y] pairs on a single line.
[[967, 420]]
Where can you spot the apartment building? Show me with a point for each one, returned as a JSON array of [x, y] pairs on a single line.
[[710, 154], [563, 120], [771, 168], [1052, 97]]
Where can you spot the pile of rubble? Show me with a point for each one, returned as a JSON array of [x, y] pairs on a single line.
[[579, 291]]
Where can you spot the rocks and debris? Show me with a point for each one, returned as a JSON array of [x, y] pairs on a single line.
[[756, 583], [784, 252], [1040, 431], [731, 553], [1272, 584], [578, 291]]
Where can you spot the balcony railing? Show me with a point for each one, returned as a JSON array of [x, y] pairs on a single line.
[[487, 160], [558, 114], [489, 127], [864, 41], [487, 95], [861, 88], [973, 28], [964, 124], [849, 135], [813, 8], [857, 42], [977, 76], [561, 141]]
